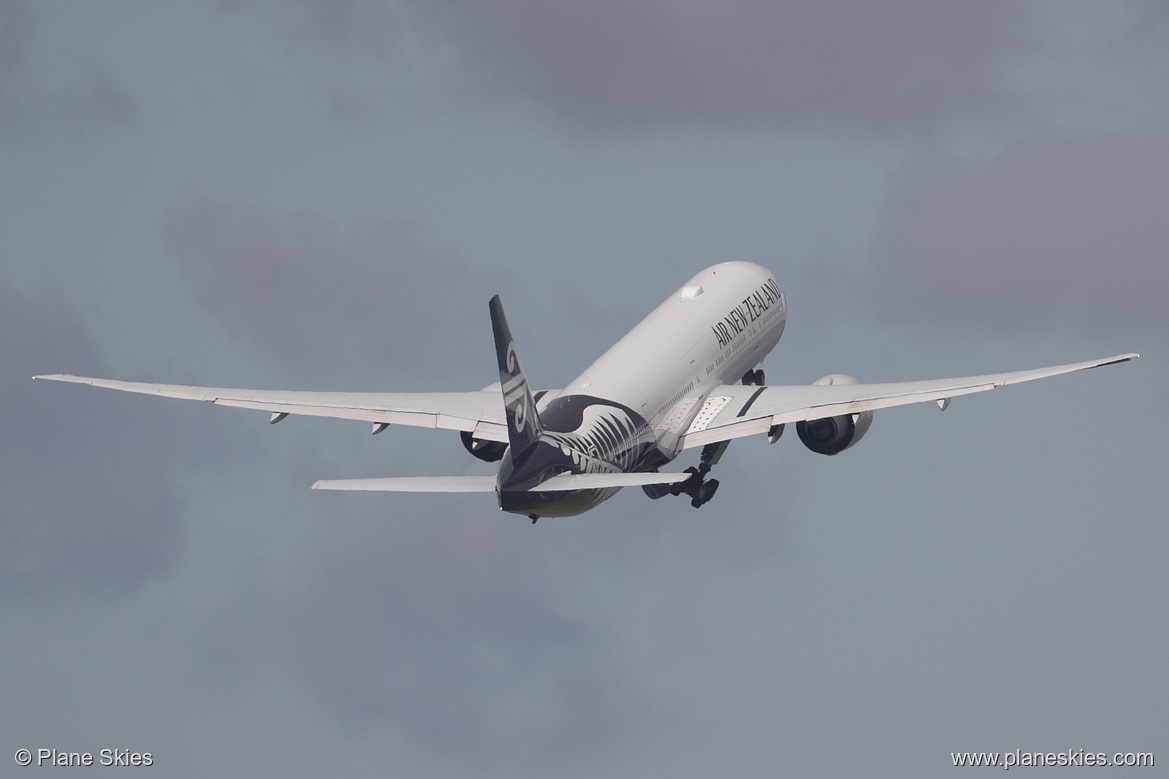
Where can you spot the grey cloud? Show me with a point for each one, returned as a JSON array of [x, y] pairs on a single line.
[[1151, 22], [72, 518], [359, 303], [788, 64], [448, 629], [16, 27], [1069, 233], [847, 65], [88, 98]]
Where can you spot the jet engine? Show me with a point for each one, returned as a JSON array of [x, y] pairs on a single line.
[[833, 435], [491, 451]]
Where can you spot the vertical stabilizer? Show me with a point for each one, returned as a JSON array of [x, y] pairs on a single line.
[[523, 423]]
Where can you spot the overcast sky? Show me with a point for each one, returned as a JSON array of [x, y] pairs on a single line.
[[324, 195]]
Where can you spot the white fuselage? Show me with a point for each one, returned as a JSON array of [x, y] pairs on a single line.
[[712, 331]]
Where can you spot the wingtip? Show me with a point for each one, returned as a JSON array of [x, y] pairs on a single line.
[[1120, 358]]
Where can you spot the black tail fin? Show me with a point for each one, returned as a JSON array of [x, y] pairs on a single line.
[[523, 423]]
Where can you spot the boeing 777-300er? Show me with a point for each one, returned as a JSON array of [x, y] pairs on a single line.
[[683, 378]]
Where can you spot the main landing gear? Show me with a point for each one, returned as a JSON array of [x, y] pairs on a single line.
[[697, 486], [754, 377]]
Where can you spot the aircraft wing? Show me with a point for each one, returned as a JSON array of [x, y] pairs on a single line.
[[480, 413], [733, 411]]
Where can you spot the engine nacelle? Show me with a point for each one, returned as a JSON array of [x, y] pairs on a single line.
[[491, 451], [833, 435]]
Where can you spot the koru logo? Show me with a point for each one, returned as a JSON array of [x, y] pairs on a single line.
[[513, 360], [521, 415], [521, 407]]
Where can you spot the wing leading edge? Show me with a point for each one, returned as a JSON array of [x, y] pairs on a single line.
[[750, 410], [480, 413]]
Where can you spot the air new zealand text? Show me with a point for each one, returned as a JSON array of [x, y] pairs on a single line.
[[742, 315]]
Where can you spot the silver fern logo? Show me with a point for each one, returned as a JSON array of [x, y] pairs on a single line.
[[608, 439]]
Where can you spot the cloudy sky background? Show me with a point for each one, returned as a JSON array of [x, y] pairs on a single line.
[[323, 195]]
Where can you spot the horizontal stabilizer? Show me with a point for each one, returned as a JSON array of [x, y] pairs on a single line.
[[566, 482], [412, 484]]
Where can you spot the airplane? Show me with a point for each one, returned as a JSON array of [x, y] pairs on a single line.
[[685, 377]]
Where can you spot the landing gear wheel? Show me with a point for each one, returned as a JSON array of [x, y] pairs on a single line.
[[704, 493], [697, 486], [753, 377]]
